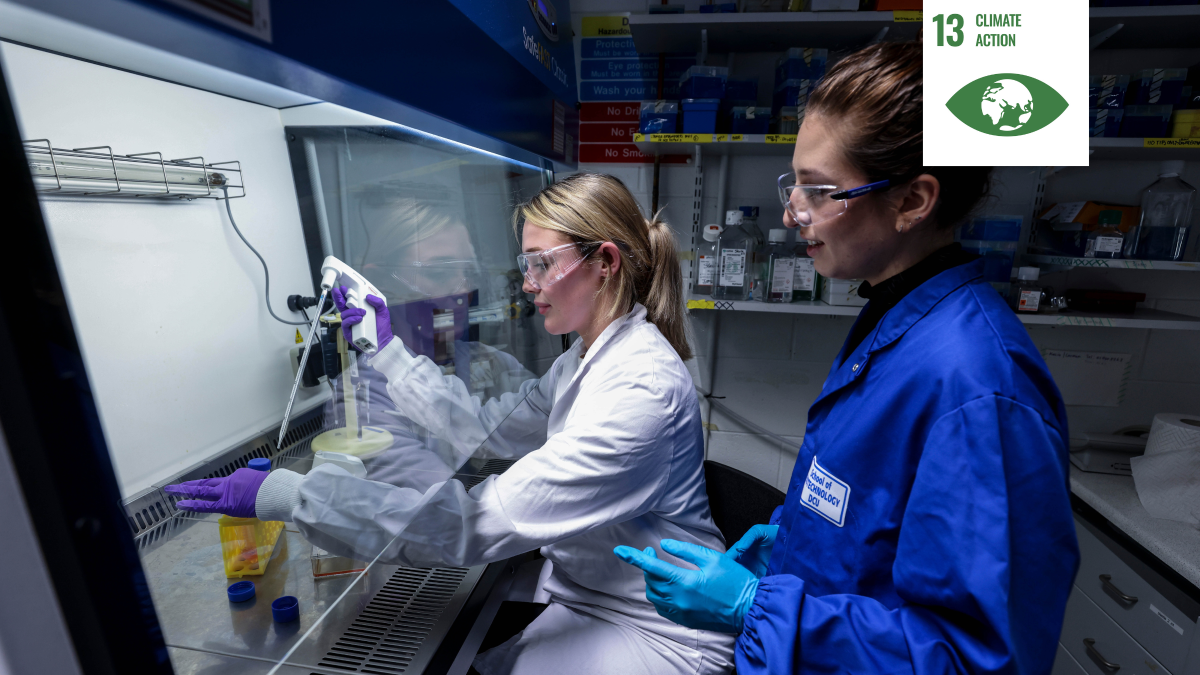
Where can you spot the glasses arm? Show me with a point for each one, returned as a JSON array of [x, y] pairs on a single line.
[[861, 190]]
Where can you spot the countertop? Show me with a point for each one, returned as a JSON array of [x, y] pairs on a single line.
[[1176, 544]]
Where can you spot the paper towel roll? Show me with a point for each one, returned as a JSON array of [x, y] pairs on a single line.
[[1167, 477]]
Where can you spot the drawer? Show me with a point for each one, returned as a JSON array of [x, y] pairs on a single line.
[[1132, 602], [1093, 640], [1064, 663]]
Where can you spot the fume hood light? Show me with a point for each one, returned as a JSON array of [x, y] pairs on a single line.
[[98, 172]]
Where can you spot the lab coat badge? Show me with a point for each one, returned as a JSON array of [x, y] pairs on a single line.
[[825, 494]]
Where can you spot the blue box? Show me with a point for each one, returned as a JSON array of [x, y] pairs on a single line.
[[791, 93], [993, 228], [659, 117], [800, 63], [749, 119], [1160, 86], [998, 258], [1107, 91], [700, 115], [703, 82], [1104, 122], [1146, 121]]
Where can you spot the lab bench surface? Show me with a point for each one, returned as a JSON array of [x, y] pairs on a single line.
[[1176, 544]]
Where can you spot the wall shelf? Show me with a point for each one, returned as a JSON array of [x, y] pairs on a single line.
[[1158, 27], [1142, 318], [1064, 262], [1144, 149], [764, 31], [717, 144]]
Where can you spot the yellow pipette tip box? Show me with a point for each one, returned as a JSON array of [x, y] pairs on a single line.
[[247, 544]]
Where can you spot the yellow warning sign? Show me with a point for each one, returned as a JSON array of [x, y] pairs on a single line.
[[299, 340], [606, 26]]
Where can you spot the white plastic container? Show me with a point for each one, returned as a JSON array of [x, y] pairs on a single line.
[[842, 292], [1027, 294]]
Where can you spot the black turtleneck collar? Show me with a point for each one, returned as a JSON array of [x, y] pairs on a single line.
[[892, 290]]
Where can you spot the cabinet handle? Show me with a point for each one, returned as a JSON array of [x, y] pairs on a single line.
[[1100, 660], [1127, 600]]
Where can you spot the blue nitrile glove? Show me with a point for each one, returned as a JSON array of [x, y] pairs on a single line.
[[753, 550], [233, 495], [715, 597], [354, 315]]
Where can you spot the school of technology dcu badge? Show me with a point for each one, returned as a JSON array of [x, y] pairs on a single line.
[[1005, 82]]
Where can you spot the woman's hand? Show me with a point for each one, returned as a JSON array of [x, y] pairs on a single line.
[[753, 550], [715, 597], [233, 495], [352, 316]]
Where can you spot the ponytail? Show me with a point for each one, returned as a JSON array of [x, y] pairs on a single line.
[[592, 207]]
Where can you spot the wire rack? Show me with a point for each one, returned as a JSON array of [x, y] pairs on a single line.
[[97, 171]]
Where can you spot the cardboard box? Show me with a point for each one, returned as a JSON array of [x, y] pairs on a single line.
[[1087, 215]]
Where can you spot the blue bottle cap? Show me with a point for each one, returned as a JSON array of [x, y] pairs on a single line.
[[241, 591], [260, 464], [285, 609]]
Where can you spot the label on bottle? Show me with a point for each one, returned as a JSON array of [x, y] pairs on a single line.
[[1029, 300], [782, 276], [733, 267], [707, 268], [805, 276], [1105, 245]]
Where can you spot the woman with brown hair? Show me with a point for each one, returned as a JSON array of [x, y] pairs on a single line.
[[609, 447], [927, 526]]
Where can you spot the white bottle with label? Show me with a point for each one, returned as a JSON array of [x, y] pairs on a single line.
[[1027, 294], [733, 256], [778, 265], [1106, 240], [706, 261]]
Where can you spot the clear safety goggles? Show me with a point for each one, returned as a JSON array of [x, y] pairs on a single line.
[[814, 204], [546, 268]]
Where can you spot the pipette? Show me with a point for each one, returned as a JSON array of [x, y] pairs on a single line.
[[363, 333]]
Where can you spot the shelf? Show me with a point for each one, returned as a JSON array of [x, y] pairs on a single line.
[[764, 31], [1063, 262], [811, 307], [1148, 27], [1142, 318], [1152, 149], [720, 144]]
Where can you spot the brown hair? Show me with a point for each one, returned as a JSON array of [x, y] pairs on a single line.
[[594, 207], [877, 93]]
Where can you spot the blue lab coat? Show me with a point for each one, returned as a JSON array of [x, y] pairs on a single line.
[[927, 526]]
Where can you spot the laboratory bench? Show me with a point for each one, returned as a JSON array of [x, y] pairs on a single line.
[[388, 619], [1135, 604]]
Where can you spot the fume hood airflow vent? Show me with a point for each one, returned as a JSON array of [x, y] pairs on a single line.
[[97, 171], [386, 637]]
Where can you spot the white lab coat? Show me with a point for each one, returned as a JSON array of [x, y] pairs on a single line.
[[611, 452]]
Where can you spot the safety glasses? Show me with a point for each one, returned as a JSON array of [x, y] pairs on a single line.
[[814, 204], [546, 268]]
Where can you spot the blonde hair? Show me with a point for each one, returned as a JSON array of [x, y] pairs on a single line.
[[593, 207]]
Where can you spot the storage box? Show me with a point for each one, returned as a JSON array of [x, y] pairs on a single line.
[[993, 228], [703, 82], [842, 292], [998, 258], [1087, 214], [748, 119], [1105, 122], [1107, 91], [659, 117], [1185, 124], [700, 115], [801, 63], [1146, 121], [791, 93], [247, 544], [1160, 86]]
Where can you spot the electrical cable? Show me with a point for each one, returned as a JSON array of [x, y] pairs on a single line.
[[266, 272]]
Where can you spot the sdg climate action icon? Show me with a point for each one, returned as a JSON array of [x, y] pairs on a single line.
[[1004, 104]]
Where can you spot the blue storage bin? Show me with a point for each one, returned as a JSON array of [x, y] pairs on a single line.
[[1160, 86], [742, 90], [992, 228], [801, 63], [1104, 122], [700, 115], [1107, 91], [659, 117], [749, 119], [791, 93], [1146, 121], [700, 82]]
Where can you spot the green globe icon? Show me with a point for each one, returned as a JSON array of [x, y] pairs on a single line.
[[1008, 104]]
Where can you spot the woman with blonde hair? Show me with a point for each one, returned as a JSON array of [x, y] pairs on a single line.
[[609, 448]]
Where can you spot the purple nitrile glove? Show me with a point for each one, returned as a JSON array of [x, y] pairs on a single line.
[[352, 316], [232, 496]]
